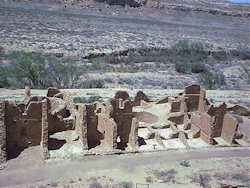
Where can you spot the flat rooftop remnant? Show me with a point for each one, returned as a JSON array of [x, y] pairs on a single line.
[[62, 128]]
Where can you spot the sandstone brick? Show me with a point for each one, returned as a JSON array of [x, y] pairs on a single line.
[[139, 98], [192, 89], [45, 130], [229, 129]]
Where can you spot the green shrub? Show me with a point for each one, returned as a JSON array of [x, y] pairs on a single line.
[[207, 79], [220, 55], [185, 163], [41, 71], [183, 67], [28, 66], [166, 175], [2, 52], [219, 78], [4, 77], [88, 84]]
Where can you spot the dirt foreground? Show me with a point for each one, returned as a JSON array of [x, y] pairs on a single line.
[[206, 167]]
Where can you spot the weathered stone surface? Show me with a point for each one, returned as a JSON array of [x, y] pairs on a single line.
[[162, 101], [175, 106], [133, 136], [139, 98], [183, 138], [45, 130], [240, 110], [81, 125], [177, 117], [229, 129], [147, 117], [187, 122], [218, 111], [192, 89], [122, 95]]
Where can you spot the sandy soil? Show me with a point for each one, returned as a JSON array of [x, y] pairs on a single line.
[[221, 165]]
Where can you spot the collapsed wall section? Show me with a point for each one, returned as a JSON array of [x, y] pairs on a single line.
[[3, 154]]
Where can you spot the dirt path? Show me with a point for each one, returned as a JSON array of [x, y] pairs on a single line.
[[128, 163]]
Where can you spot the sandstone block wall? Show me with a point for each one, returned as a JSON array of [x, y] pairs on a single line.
[[133, 136], [3, 152], [217, 111], [81, 125], [110, 133], [45, 130], [229, 130], [139, 98], [23, 125]]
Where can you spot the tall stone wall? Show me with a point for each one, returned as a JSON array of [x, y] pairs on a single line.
[[3, 154], [81, 125], [23, 125], [133, 136], [45, 130], [229, 129], [110, 137]]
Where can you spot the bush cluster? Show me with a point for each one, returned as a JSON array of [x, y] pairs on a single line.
[[39, 71]]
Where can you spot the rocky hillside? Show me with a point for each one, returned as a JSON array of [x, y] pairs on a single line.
[[158, 45]]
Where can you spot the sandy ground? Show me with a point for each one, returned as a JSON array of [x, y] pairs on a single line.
[[221, 165]]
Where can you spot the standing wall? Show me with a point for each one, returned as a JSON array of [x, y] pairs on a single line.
[[3, 154], [45, 130]]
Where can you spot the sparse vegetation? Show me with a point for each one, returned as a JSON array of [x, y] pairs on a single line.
[[185, 163], [98, 83], [95, 185], [166, 175], [39, 71], [202, 179], [244, 178], [125, 184], [210, 80]]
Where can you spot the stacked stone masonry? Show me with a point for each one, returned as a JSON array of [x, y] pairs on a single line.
[[111, 125]]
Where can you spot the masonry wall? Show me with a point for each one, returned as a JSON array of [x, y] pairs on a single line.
[[3, 154], [94, 136], [45, 130], [110, 133], [23, 125], [81, 125], [229, 129]]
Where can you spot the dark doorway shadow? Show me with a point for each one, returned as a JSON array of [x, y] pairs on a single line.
[[14, 153], [121, 145], [141, 141], [214, 142], [55, 144], [93, 144]]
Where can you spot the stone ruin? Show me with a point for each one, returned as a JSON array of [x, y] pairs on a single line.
[[115, 125]]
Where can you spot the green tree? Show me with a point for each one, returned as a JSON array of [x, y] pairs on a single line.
[[28, 67]]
